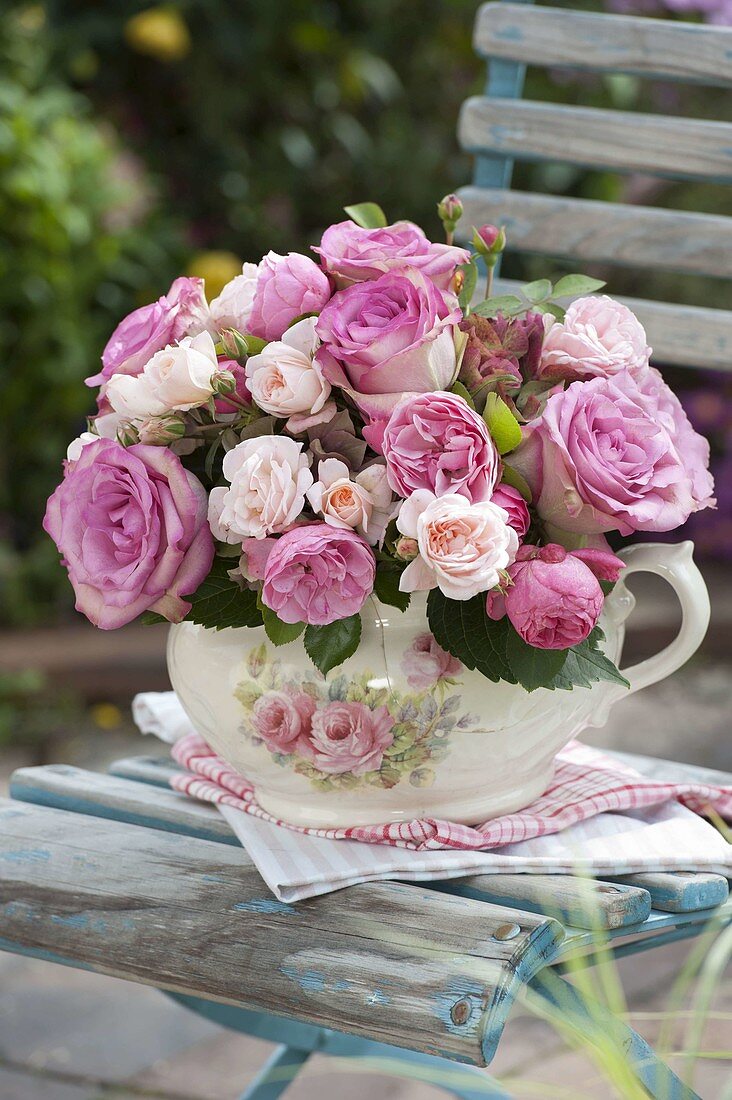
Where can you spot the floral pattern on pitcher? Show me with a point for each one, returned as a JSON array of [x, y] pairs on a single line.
[[353, 731]]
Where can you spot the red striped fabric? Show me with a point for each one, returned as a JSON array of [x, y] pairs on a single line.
[[586, 783]]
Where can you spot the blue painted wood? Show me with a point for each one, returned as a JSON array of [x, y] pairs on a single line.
[[277, 1074], [598, 1027], [682, 892]]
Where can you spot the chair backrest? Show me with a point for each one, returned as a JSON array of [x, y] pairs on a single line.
[[499, 127]]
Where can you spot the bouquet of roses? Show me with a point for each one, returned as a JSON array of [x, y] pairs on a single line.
[[329, 428]]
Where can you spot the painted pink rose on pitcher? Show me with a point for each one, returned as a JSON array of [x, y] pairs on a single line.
[[352, 254], [425, 663], [348, 737], [281, 719]]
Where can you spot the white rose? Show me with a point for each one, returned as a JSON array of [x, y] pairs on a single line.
[[234, 304], [176, 378], [364, 503], [76, 446], [463, 547], [268, 477], [285, 381]]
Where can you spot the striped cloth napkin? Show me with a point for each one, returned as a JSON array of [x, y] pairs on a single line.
[[598, 817]]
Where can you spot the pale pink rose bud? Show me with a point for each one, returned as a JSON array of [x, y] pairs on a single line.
[[406, 549], [223, 382], [489, 242], [159, 431], [287, 288], [450, 211], [127, 433], [233, 344]]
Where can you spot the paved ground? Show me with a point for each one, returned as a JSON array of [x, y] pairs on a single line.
[[68, 1035]]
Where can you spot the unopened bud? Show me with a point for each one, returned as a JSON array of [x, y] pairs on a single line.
[[223, 383], [450, 211], [233, 344], [489, 242], [407, 549], [127, 433], [159, 431]]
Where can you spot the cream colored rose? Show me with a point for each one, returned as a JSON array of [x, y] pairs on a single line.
[[177, 378], [363, 503], [268, 477], [463, 547], [285, 381], [234, 304]]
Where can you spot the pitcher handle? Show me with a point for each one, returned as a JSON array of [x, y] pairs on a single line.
[[675, 563]]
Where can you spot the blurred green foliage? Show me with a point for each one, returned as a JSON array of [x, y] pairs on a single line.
[[76, 251]]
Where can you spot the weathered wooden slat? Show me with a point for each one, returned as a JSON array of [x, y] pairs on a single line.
[[682, 892], [681, 148], [681, 336], [603, 232], [145, 769], [615, 43], [384, 960], [580, 902]]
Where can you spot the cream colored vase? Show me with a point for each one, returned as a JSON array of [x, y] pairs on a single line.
[[401, 730]]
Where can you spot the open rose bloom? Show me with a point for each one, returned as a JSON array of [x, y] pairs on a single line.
[[341, 426]]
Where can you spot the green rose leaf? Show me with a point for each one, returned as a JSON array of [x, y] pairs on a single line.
[[151, 618], [331, 645], [470, 280], [502, 424], [368, 215], [517, 480], [254, 344], [463, 629], [502, 303], [532, 667], [386, 587], [279, 633], [219, 602], [460, 391], [537, 291], [572, 285], [586, 664]]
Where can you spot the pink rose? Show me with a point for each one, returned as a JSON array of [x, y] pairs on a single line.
[[388, 339], [317, 574], [180, 312], [425, 663], [131, 526], [555, 599], [287, 287], [601, 459], [281, 719], [352, 254], [348, 737], [693, 448], [463, 548], [436, 441], [598, 337], [514, 505]]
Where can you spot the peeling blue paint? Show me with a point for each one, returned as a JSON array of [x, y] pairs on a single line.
[[341, 986], [445, 999], [378, 997], [267, 905], [71, 920], [312, 981], [213, 878], [26, 855]]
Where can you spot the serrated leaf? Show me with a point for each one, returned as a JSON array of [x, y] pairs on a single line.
[[502, 424], [368, 215], [461, 391], [572, 285], [464, 630], [502, 303], [533, 667], [151, 618], [537, 291], [279, 633], [586, 664], [518, 481], [386, 586], [470, 275], [331, 645], [219, 602]]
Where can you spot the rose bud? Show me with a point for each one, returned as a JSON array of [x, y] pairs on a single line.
[[159, 431], [450, 211], [223, 383], [233, 344], [406, 549], [489, 242], [555, 599], [127, 433]]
